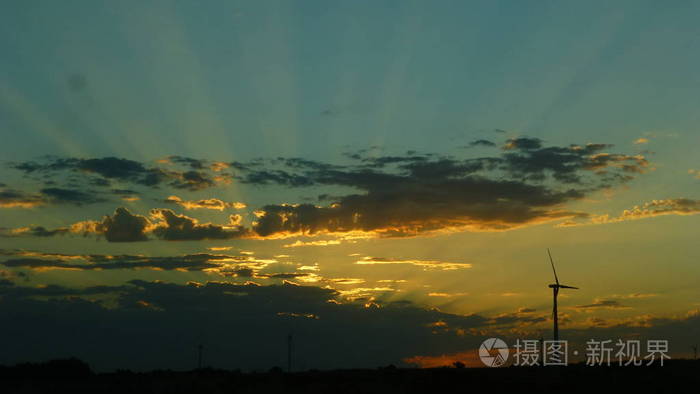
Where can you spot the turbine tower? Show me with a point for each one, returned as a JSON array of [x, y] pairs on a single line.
[[555, 291]]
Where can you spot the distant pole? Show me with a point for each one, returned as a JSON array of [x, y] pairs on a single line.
[[199, 356], [289, 353]]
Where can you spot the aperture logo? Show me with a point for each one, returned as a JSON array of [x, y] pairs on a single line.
[[493, 352]]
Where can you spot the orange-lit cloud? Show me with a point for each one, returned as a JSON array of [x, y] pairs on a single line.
[[211, 203], [441, 294], [676, 206], [16, 199], [425, 264], [299, 243]]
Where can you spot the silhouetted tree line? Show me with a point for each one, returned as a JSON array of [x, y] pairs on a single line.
[[75, 376], [70, 368]]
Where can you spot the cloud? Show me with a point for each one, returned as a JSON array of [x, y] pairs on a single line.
[[482, 143], [416, 194], [255, 319], [103, 171], [54, 195], [523, 143], [299, 243], [16, 199], [527, 183], [635, 296], [226, 265], [441, 294], [33, 231], [695, 173], [211, 203], [66, 196], [602, 304], [526, 310], [126, 194], [108, 168], [469, 204], [675, 206], [174, 227], [122, 226], [194, 262], [641, 141], [145, 315], [184, 263], [425, 264]]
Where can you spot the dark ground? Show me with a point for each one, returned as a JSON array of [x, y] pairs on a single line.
[[74, 376]]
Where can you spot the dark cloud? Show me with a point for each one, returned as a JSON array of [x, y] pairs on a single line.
[[407, 195], [192, 180], [225, 265], [195, 164], [122, 226], [602, 304], [173, 318], [187, 262], [109, 169], [16, 199], [523, 143], [412, 208], [68, 196], [266, 177], [527, 183], [124, 192], [33, 231], [482, 143], [158, 325], [176, 227]]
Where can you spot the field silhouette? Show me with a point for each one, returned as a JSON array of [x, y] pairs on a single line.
[[75, 376]]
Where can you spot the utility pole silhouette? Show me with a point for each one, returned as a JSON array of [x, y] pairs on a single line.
[[289, 353], [200, 349]]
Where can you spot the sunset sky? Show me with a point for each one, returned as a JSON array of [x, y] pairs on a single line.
[[380, 178]]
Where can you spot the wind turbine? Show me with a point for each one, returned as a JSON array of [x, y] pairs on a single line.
[[555, 290]]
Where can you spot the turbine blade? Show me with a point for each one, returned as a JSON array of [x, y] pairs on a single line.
[[567, 287], [554, 270]]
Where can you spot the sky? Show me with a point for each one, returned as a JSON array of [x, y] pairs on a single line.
[[382, 179]]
